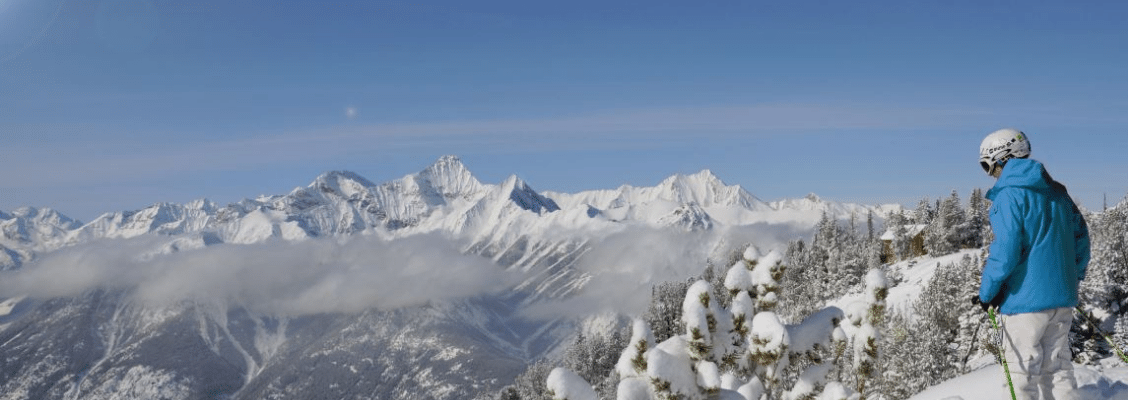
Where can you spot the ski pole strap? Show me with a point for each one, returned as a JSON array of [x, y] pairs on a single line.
[[1002, 351]]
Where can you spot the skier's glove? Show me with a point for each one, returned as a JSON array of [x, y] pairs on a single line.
[[998, 300], [975, 300]]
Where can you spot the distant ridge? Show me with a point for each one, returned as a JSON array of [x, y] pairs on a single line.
[[444, 197]]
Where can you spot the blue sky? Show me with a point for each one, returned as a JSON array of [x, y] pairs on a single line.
[[117, 104]]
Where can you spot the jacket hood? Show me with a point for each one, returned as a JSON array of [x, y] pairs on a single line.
[[1023, 173]]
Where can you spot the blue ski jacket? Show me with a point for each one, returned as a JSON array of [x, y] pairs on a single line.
[[1041, 246]]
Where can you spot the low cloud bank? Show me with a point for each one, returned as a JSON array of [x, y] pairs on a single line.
[[286, 278], [353, 274], [625, 265]]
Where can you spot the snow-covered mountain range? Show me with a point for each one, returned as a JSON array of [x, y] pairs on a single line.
[[104, 344], [444, 197]]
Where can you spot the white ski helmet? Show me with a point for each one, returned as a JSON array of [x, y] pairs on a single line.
[[1000, 146]]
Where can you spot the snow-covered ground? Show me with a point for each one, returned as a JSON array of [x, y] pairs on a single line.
[[914, 277], [1106, 381]]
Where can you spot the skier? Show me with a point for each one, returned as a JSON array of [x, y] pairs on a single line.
[[1036, 263]]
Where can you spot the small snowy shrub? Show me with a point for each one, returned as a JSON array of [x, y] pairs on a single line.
[[566, 385], [866, 338], [767, 347], [700, 319], [765, 279], [671, 373], [632, 363]]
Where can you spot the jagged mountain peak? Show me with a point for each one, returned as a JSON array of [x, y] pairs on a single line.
[[35, 226], [689, 217], [450, 177], [524, 196], [46, 215], [449, 160], [706, 189], [202, 204], [706, 175], [30, 212], [513, 181], [161, 218], [703, 177], [341, 183]]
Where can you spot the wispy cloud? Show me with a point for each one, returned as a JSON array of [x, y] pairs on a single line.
[[285, 278], [624, 266], [353, 274]]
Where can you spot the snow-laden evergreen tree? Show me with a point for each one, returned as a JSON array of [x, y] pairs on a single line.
[[594, 356], [663, 315], [671, 371], [904, 371], [740, 283], [842, 248], [699, 314], [563, 384], [1104, 291], [632, 363], [529, 385], [979, 223], [765, 279], [693, 364], [924, 212], [813, 346], [767, 349], [826, 232], [866, 349], [739, 277], [743, 310], [1106, 281], [948, 229], [948, 328], [830, 266], [1120, 335], [871, 234], [808, 280]]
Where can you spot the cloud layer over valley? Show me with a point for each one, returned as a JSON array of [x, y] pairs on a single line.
[[348, 274]]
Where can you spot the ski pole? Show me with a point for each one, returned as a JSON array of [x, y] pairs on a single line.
[[1097, 329], [1002, 352]]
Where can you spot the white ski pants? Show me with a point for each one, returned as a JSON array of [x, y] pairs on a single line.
[[1037, 351]]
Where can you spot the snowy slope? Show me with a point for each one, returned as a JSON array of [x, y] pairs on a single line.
[[161, 218], [987, 382], [1106, 382], [28, 231], [915, 274], [813, 205], [36, 228]]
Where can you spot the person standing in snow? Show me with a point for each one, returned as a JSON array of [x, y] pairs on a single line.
[[1036, 263]]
